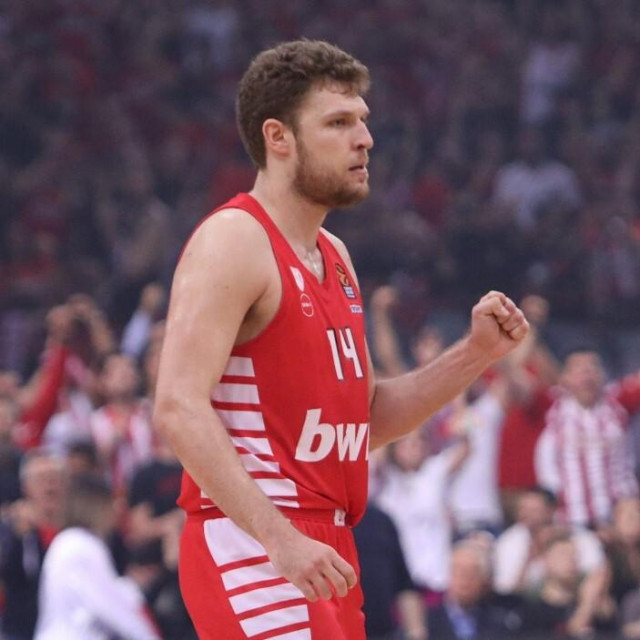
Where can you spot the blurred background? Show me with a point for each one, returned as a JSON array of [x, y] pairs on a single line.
[[507, 157]]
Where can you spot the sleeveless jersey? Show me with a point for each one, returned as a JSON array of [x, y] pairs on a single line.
[[294, 399]]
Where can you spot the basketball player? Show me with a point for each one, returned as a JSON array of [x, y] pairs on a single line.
[[265, 325]]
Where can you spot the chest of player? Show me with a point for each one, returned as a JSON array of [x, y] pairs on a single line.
[[316, 341]]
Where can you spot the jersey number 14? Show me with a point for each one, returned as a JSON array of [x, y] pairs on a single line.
[[343, 350]]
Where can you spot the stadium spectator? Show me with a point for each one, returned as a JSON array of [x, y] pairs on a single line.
[[413, 491], [27, 529], [582, 454], [468, 610], [524, 419], [475, 498], [524, 187], [153, 535], [567, 603], [10, 454], [81, 595], [89, 339], [137, 333], [39, 398], [121, 428], [551, 66], [386, 584], [517, 561], [623, 549]]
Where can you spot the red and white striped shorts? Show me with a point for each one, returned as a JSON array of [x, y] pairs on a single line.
[[233, 592]]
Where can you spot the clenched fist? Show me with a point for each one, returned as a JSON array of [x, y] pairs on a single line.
[[497, 325]]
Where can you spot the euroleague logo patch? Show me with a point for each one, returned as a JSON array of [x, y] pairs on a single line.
[[306, 305], [345, 283]]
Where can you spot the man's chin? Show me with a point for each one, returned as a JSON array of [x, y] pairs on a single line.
[[351, 198], [329, 196]]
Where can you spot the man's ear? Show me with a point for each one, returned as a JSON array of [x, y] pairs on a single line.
[[278, 137]]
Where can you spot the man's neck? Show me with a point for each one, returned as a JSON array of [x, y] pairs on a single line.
[[298, 219]]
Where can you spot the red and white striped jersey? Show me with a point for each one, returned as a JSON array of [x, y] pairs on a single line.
[[583, 455], [294, 399], [123, 447]]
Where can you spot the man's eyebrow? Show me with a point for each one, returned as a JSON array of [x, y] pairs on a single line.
[[341, 113]]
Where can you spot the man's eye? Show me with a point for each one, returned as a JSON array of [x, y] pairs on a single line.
[[339, 122]]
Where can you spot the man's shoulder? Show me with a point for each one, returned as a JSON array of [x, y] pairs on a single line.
[[228, 220], [75, 543], [232, 232]]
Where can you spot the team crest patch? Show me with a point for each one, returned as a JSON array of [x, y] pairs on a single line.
[[306, 305], [345, 282]]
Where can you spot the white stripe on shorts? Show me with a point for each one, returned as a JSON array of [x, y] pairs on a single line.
[[264, 597], [301, 634], [254, 573], [286, 502], [275, 619], [229, 543]]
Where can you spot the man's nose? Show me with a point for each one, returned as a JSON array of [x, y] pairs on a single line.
[[364, 139]]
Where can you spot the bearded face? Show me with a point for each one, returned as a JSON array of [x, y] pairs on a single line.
[[326, 184]]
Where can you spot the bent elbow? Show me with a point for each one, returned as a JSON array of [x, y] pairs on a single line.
[[166, 414]]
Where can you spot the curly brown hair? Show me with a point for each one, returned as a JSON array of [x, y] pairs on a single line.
[[278, 79]]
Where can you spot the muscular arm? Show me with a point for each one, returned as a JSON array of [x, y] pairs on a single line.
[[222, 277], [399, 405]]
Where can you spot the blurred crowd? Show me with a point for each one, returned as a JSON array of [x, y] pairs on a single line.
[[515, 511], [507, 157], [78, 453]]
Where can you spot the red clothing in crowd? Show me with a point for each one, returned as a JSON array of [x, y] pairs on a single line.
[[523, 424], [36, 415]]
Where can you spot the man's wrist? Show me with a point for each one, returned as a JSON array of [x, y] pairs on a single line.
[[276, 531], [475, 355]]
